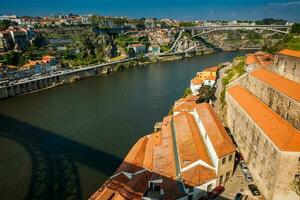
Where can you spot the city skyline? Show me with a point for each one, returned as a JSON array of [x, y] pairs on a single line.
[[181, 10]]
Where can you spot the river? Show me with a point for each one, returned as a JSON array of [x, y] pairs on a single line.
[[64, 142]]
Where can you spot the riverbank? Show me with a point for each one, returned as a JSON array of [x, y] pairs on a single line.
[[84, 123], [65, 77]]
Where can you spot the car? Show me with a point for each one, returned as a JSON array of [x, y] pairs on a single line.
[[254, 190], [244, 167], [238, 196], [216, 192], [248, 177]]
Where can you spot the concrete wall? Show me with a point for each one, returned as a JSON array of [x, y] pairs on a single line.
[[287, 66], [283, 105], [272, 170]]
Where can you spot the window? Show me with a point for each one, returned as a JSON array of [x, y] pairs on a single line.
[[221, 179], [230, 158], [297, 177], [227, 176], [223, 160]]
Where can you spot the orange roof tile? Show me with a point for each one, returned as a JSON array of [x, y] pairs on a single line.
[[47, 58], [211, 78], [289, 52], [250, 59], [215, 130], [279, 131], [183, 105], [284, 85], [212, 69], [163, 155], [197, 81], [198, 175], [190, 145], [191, 98]]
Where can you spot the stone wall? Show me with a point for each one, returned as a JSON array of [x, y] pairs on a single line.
[[225, 170], [272, 170], [59, 79], [287, 66], [283, 105]]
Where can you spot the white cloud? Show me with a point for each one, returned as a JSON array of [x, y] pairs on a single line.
[[284, 4]]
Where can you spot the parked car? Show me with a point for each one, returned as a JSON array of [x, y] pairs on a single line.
[[248, 177], [238, 196], [254, 190], [244, 166], [216, 192]]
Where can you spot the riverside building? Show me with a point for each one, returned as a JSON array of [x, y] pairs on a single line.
[[263, 115], [190, 155]]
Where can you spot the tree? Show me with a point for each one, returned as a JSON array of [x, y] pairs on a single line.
[[206, 93], [295, 28], [4, 24], [187, 92]]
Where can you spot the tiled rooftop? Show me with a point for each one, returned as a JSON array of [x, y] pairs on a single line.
[[279, 131], [284, 85], [289, 52], [215, 130]]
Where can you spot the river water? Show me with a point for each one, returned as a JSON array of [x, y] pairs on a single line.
[[64, 142]]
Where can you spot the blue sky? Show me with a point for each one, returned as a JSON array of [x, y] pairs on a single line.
[[178, 9]]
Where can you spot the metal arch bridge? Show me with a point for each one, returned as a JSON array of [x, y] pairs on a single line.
[[208, 29]]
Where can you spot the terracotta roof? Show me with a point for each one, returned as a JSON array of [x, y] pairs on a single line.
[[215, 130], [279, 131], [190, 145], [163, 155], [183, 105], [137, 45], [198, 175], [197, 81], [191, 98], [47, 58], [289, 52], [250, 59], [284, 85], [211, 78], [212, 69]]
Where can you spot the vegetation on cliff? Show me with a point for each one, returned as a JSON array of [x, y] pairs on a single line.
[[230, 75]]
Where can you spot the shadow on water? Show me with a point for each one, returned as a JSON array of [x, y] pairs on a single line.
[[54, 173]]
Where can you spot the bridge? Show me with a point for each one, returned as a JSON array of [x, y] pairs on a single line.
[[285, 29]]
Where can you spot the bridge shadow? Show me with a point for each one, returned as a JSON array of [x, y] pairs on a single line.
[[54, 173]]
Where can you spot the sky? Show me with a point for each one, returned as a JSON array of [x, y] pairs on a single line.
[[175, 9]]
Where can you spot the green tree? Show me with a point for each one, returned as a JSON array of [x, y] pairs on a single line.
[[4, 24], [295, 28], [187, 92], [206, 93]]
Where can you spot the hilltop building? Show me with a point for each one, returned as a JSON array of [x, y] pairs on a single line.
[[263, 116], [190, 155]]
